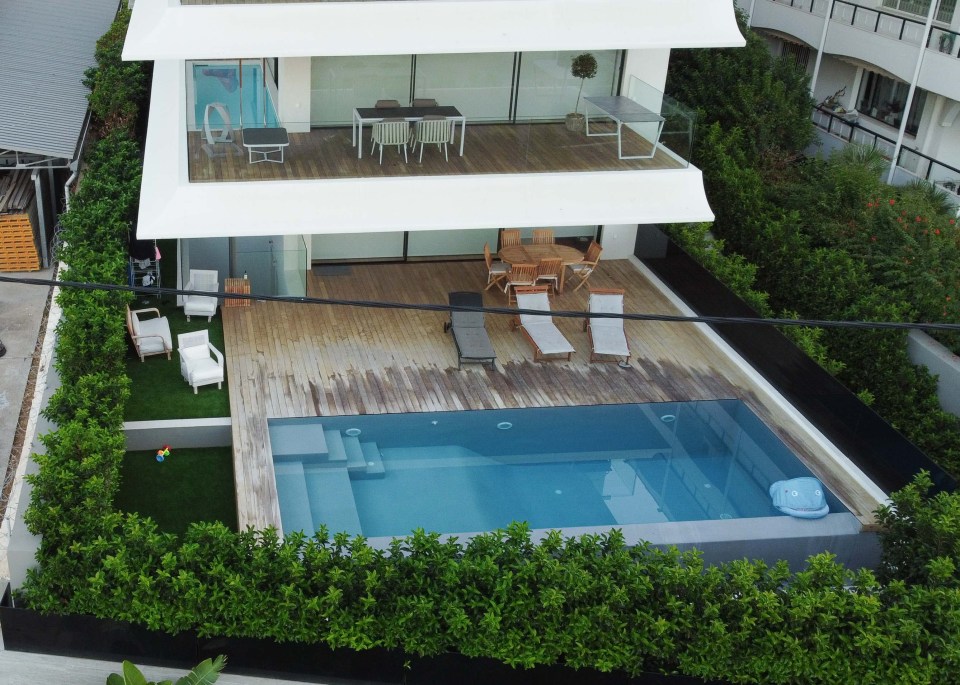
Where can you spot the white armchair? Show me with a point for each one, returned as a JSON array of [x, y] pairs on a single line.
[[150, 335], [203, 280], [197, 366]]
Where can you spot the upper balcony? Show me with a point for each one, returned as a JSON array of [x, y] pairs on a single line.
[[513, 163], [871, 33]]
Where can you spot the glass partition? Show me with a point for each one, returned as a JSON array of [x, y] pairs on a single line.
[[229, 93], [678, 126], [452, 243], [339, 84], [547, 89], [274, 265], [478, 85]]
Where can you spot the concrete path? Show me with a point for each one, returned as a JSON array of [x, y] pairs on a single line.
[[21, 310], [23, 668]]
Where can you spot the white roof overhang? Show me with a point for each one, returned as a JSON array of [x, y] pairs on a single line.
[[163, 29]]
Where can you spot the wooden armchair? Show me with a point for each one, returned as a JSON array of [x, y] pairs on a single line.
[[149, 335]]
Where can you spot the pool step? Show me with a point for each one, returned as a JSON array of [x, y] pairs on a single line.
[[331, 499], [363, 458], [335, 449], [374, 462], [294, 499], [306, 442]]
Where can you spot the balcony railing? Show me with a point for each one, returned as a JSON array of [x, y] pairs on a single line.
[[894, 26], [915, 163]]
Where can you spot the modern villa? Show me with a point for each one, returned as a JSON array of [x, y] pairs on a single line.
[[262, 160], [869, 55]]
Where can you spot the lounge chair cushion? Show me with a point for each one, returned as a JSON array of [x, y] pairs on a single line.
[[607, 334], [548, 338], [473, 344], [469, 332], [609, 340], [159, 335]]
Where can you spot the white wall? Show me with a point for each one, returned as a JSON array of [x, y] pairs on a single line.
[[834, 75], [618, 240], [647, 65], [294, 106]]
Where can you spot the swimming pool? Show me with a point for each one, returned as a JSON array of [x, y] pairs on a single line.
[[561, 467]]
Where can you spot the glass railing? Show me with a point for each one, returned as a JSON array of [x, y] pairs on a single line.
[[915, 164], [894, 26], [679, 120], [299, 151]]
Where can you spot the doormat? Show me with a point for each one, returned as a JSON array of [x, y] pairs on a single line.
[[332, 270]]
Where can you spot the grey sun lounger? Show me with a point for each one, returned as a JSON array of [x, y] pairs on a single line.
[[469, 332]]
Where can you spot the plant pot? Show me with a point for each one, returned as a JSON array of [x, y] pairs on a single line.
[[575, 122]]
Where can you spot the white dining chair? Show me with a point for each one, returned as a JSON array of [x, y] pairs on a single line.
[[391, 132], [432, 131]]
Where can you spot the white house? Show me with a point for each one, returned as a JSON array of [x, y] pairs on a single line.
[[503, 64], [869, 54]]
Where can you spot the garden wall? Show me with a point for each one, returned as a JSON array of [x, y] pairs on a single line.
[[179, 433], [940, 361]]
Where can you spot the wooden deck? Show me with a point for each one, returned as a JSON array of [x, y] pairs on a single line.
[[327, 153], [295, 360]]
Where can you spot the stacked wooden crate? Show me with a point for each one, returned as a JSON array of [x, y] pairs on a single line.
[[18, 222]]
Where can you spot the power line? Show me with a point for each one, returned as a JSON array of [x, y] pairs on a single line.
[[509, 311]]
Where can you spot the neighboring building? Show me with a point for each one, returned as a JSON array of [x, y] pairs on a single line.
[[305, 66], [45, 48], [871, 54]]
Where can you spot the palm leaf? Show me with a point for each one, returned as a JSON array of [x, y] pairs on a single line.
[[204, 673]]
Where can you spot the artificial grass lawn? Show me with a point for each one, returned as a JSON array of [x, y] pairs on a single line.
[[157, 391], [190, 485]]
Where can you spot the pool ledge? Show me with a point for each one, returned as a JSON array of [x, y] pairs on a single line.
[[767, 538]]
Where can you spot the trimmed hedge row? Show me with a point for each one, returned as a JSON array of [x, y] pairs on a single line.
[[588, 602]]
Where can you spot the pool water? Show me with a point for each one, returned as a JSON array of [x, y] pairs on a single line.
[[562, 467]]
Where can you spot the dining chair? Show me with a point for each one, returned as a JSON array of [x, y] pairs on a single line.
[[432, 131], [543, 236], [391, 132], [423, 102], [519, 276], [496, 271], [584, 269], [386, 104], [510, 237], [549, 271]]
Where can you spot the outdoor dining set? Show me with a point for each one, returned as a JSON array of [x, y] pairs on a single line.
[[423, 122], [529, 274]]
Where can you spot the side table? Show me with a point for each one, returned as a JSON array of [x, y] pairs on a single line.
[[237, 286]]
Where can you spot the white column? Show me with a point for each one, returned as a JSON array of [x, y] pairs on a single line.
[[913, 89], [294, 85], [618, 240], [823, 41]]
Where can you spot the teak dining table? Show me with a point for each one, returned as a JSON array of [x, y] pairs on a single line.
[[532, 254]]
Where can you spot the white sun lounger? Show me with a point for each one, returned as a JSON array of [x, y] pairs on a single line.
[[539, 329], [606, 334]]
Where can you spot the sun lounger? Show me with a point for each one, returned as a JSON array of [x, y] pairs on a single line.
[[607, 337], [539, 329], [469, 332]]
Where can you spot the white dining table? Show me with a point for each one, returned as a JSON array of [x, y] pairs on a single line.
[[371, 115], [622, 110]]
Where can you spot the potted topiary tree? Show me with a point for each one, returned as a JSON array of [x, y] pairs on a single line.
[[583, 66]]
